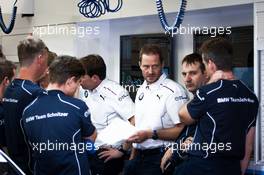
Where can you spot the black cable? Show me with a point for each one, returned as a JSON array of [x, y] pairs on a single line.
[[119, 5], [8, 29], [179, 17], [96, 8]]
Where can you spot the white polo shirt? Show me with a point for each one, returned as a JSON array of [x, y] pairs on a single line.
[[156, 107], [106, 102]]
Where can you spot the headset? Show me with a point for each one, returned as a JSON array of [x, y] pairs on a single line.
[[178, 20], [8, 29], [96, 8]]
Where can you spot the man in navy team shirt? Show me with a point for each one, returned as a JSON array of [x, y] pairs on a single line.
[[225, 112], [7, 73], [58, 125], [32, 55]]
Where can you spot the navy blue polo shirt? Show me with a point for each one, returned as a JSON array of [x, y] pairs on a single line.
[[2, 127], [16, 97], [225, 111], [55, 125]]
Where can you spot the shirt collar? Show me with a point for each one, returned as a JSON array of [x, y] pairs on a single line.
[[156, 84], [55, 92], [99, 87]]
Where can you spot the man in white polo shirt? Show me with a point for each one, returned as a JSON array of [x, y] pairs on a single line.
[[107, 101], [156, 114]]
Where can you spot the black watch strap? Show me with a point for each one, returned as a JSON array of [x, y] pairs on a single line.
[[155, 135]]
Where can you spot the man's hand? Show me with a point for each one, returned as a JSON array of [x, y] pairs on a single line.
[[165, 159], [110, 153], [218, 75], [186, 144], [140, 136]]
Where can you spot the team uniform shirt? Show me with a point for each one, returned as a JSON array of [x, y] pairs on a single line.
[[225, 111], [156, 107], [106, 102], [2, 127], [16, 97], [59, 122]]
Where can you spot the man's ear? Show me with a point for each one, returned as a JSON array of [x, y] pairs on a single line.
[[212, 65], [95, 78], [6, 81], [70, 80]]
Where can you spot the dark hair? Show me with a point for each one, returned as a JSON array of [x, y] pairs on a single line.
[[51, 57], [94, 65], [192, 59], [219, 51], [151, 49], [2, 55], [65, 67], [6, 70], [28, 49]]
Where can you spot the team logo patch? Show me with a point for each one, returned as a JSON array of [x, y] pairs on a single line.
[[181, 98], [87, 113], [141, 96], [159, 96], [123, 97], [86, 94]]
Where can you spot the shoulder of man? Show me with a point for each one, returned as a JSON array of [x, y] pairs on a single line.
[[113, 90], [212, 87], [172, 86], [33, 89], [75, 102]]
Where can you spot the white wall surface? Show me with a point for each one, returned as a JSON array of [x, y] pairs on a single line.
[[107, 43], [66, 11], [64, 14]]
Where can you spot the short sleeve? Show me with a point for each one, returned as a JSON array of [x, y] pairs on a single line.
[[254, 113], [124, 105], [173, 104], [87, 128], [197, 106]]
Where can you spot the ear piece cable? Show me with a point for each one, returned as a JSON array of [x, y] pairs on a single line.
[[8, 29]]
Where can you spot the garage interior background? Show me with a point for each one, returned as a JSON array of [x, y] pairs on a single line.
[[135, 17]]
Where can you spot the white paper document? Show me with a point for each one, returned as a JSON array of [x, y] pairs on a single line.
[[116, 133]]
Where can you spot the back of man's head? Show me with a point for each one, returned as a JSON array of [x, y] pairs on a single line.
[[28, 49], [65, 67], [94, 65], [219, 51], [6, 70], [194, 58]]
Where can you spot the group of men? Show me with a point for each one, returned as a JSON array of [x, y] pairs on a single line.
[[206, 135]]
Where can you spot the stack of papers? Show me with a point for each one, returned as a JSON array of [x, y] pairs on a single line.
[[116, 133]]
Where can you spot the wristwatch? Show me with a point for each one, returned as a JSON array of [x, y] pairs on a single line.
[[121, 149], [155, 135]]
